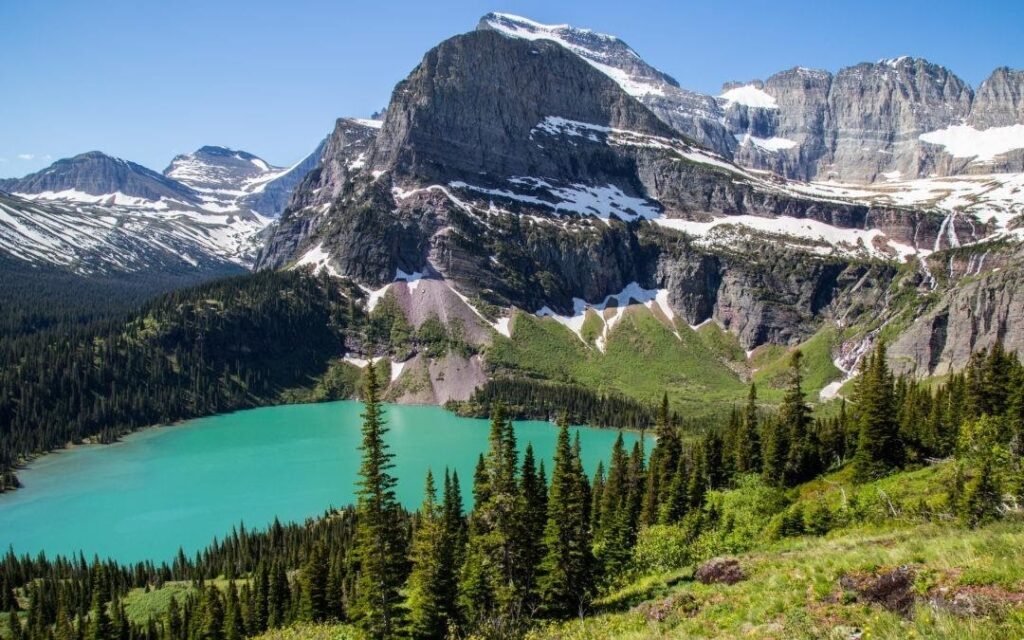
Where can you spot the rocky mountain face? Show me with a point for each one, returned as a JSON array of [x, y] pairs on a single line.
[[273, 197], [518, 175], [344, 153], [902, 118]]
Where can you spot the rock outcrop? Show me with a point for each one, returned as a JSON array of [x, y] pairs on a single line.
[[972, 315]]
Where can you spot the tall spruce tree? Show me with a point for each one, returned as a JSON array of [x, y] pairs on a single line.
[[566, 581], [425, 589], [213, 615], [748, 440], [379, 551], [879, 449], [315, 572], [490, 583], [795, 419]]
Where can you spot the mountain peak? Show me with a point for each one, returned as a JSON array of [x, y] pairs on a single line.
[[213, 167], [609, 54], [95, 174]]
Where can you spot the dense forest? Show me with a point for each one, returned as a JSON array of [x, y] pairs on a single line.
[[225, 345], [542, 543]]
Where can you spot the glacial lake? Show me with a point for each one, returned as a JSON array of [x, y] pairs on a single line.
[[180, 486]]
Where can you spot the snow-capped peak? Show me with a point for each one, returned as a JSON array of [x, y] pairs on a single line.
[[606, 53]]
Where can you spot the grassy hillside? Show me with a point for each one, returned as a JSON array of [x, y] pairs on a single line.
[[704, 370], [892, 566], [960, 586]]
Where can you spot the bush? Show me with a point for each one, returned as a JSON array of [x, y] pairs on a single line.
[[662, 548]]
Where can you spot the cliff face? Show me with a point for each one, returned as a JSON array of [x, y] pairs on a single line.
[[902, 118], [972, 315]]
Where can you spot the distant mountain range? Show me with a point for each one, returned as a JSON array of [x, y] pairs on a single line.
[[95, 213]]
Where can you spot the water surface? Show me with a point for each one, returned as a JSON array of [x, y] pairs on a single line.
[[182, 485]]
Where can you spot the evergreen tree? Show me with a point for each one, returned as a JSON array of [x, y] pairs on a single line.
[[99, 620], [234, 629], [213, 615], [531, 523], [983, 498], [314, 576], [566, 581], [879, 449], [795, 419], [426, 588], [748, 439], [279, 595], [379, 546], [663, 464], [14, 630]]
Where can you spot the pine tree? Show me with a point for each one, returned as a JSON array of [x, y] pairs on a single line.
[[490, 583], [426, 587], [566, 581], [279, 595], [663, 464], [748, 439], [879, 449], [14, 629], [531, 521], [379, 545], [613, 547], [99, 620], [234, 629], [213, 615], [795, 419], [315, 573], [983, 498], [174, 623]]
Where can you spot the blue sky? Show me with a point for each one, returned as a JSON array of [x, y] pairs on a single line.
[[145, 80]]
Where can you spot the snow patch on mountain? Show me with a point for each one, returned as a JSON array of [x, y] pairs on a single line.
[[824, 238], [773, 144], [749, 96], [610, 311], [608, 54], [91, 238], [602, 202], [984, 145]]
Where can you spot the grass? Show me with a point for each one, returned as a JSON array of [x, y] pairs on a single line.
[[704, 370], [141, 605], [772, 365], [643, 359], [793, 585], [793, 591]]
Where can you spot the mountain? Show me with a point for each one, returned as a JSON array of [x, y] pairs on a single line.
[[515, 186], [232, 180], [902, 118], [96, 214], [97, 178]]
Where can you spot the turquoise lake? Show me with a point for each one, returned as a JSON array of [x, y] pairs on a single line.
[[182, 485]]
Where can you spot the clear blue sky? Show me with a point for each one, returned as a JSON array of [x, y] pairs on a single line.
[[145, 80]]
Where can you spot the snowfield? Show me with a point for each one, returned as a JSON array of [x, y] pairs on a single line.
[[963, 141]]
